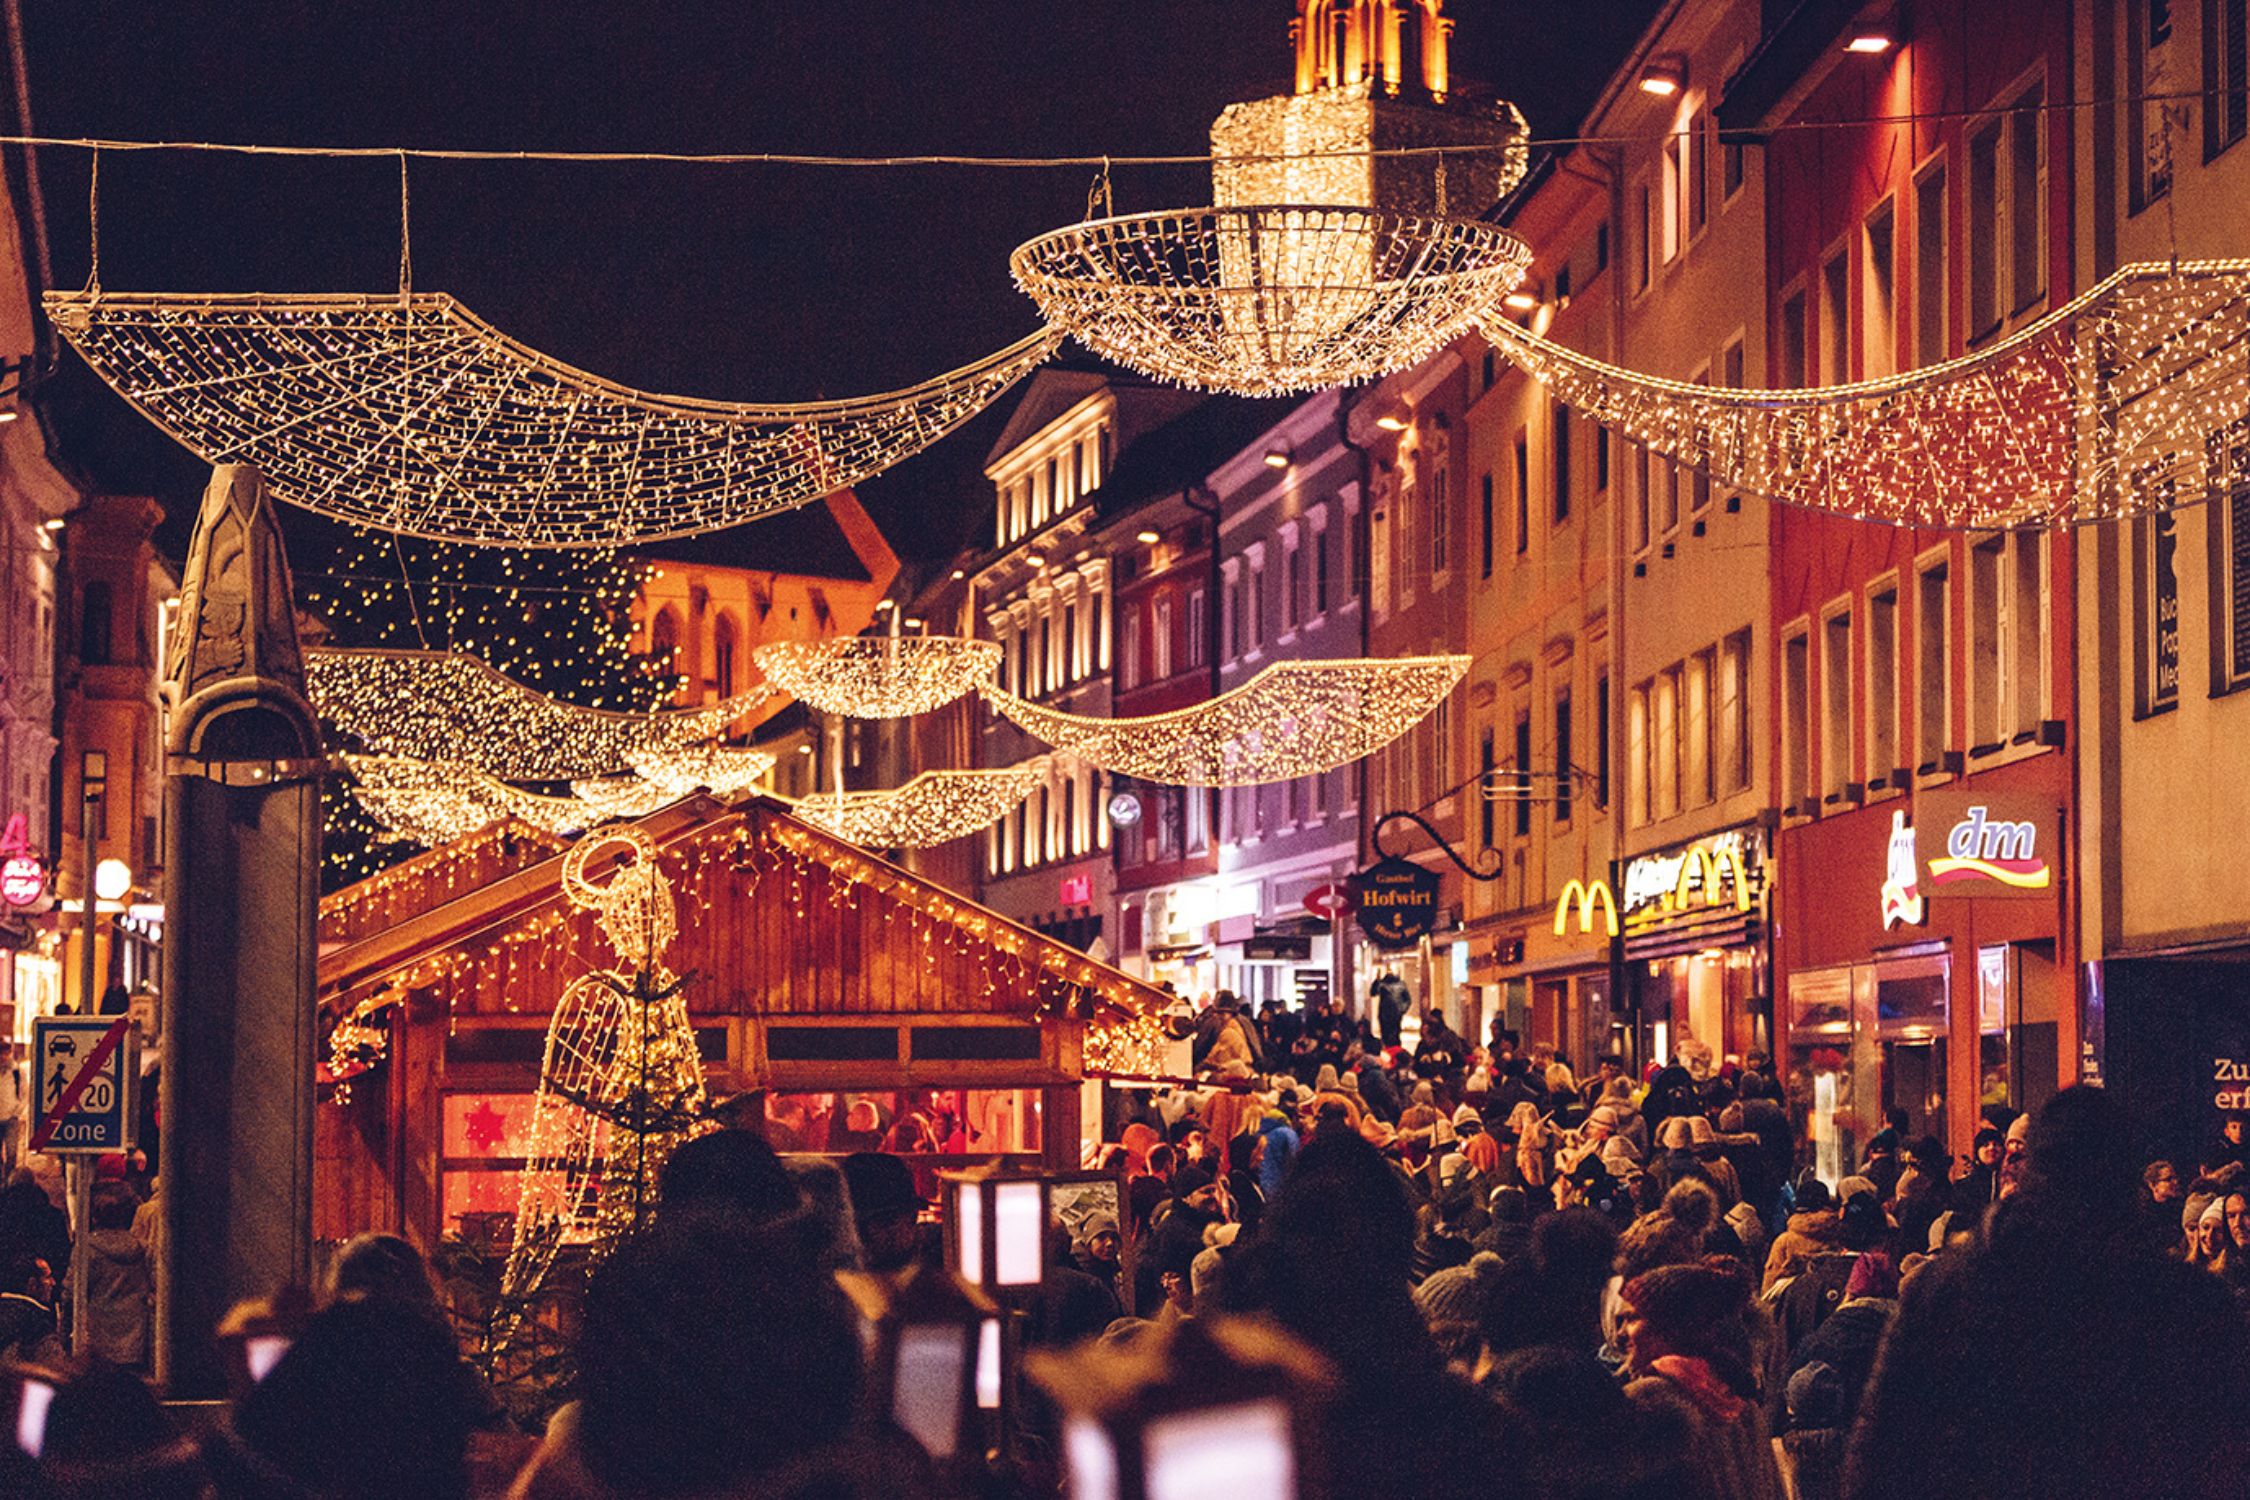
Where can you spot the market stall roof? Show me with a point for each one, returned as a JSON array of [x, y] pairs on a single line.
[[776, 918]]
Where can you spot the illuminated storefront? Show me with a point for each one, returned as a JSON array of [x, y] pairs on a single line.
[[1694, 921]]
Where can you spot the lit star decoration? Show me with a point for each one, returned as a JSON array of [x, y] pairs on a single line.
[[411, 414], [1295, 718], [451, 707], [1269, 300], [2129, 399], [485, 1126], [878, 676]]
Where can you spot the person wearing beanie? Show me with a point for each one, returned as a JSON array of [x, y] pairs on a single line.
[[2208, 1238], [2191, 1216], [1814, 1229], [1687, 1344], [1452, 1302]]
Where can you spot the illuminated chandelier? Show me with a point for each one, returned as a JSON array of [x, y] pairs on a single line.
[[2129, 399], [411, 414], [934, 807], [451, 707], [1295, 718], [1267, 300], [878, 676]]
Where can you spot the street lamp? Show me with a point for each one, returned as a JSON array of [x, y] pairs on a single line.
[[113, 880], [996, 1231], [1205, 1407], [933, 1351]]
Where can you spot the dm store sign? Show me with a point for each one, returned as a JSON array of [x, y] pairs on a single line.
[[1395, 901]]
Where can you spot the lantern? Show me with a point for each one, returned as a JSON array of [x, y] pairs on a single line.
[[1200, 1408], [996, 1231], [933, 1355]]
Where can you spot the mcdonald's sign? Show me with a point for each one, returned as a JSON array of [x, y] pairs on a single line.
[[1722, 871], [1589, 902]]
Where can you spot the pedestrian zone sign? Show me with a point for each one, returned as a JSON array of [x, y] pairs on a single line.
[[85, 1068]]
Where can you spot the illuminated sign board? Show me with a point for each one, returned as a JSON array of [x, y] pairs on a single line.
[[1591, 903], [1988, 845], [23, 875], [1725, 870], [1902, 893], [1077, 890], [1395, 902]]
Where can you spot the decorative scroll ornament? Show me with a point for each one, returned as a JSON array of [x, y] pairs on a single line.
[[1295, 718], [451, 707], [932, 808], [621, 1085], [2129, 399], [411, 414], [1264, 300], [878, 676]]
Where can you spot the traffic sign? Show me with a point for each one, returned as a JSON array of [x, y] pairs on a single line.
[[1328, 902], [86, 1070]]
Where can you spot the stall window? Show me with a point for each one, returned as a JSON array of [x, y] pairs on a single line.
[[485, 1141], [907, 1122]]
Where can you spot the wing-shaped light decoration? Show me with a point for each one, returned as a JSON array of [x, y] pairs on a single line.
[[931, 808], [1265, 300], [621, 1085], [878, 676], [2129, 399], [413, 415], [450, 707], [436, 802], [1295, 718]]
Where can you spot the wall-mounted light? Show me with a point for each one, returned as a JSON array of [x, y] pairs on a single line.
[[1871, 40], [959, 574], [8, 414], [1520, 301], [53, 523], [883, 604], [1149, 538], [1665, 75], [1277, 458], [1391, 422]]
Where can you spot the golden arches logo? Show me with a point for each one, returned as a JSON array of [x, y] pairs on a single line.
[[1714, 864], [1589, 898]]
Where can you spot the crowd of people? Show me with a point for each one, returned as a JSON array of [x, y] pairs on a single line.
[[1515, 1282]]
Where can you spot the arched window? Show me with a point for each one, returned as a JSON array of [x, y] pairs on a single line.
[[722, 655], [664, 641]]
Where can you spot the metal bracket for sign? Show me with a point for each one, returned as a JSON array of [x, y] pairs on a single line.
[[1498, 866]]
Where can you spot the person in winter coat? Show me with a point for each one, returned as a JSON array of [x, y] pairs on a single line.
[[1688, 1355], [30, 1224], [27, 1311], [1391, 1001], [120, 1286], [1813, 1228], [2046, 1359]]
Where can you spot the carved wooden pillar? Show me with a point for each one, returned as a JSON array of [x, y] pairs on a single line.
[[242, 883]]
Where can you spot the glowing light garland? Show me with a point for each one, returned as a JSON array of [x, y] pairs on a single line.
[[451, 707], [932, 808], [2127, 400], [621, 1084], [1295, 718], [878, 676], [411, 414], [435, 802], [1269, 300]]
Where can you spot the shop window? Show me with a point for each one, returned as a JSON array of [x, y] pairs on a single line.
[[1933, 622], [1796, 722], [1867, 1048], [906, 1122], [1931, 275], [1911, 1015], [2152, 76], [1878, 292], [1835, 319], [2226, 74], [1836, 704], [1882, 684]]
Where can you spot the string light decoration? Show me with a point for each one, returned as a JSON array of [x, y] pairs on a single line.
[[2129, 399], [878, 676], [934, 807], [449, 706], [1295, 718], [436, 802], [1133, 1047], [411, 414], [621, 1083], [1267, 300]]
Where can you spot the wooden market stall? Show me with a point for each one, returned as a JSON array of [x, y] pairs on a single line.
[[850, 1004]]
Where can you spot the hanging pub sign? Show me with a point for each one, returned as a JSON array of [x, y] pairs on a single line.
[[23, 875], [1992, 845], [1395, 901]]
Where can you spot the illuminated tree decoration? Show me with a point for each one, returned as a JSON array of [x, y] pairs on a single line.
[[1295, 718], [449, 706], [621, 1085], [411, 414], [878, 676], [2127, 400], [932, 808], [1265, 300]]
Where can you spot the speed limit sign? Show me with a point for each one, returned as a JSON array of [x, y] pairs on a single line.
[[86, 1069]]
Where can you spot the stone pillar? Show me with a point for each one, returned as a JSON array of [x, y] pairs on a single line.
[[241, 895]]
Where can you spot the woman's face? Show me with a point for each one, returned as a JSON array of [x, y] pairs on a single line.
[[1640, 1347], [2206, 1237]]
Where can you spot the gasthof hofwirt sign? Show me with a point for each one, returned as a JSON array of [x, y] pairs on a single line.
[[1395, 902]]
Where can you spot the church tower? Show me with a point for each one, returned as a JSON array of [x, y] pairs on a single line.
[[1371, 75]]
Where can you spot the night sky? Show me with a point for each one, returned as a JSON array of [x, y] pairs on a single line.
[[731, 282]]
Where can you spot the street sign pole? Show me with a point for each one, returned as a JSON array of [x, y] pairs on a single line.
[[78, 1174]]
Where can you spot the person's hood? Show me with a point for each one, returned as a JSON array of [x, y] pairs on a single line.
[[115, 1244], [1818, 1223]]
